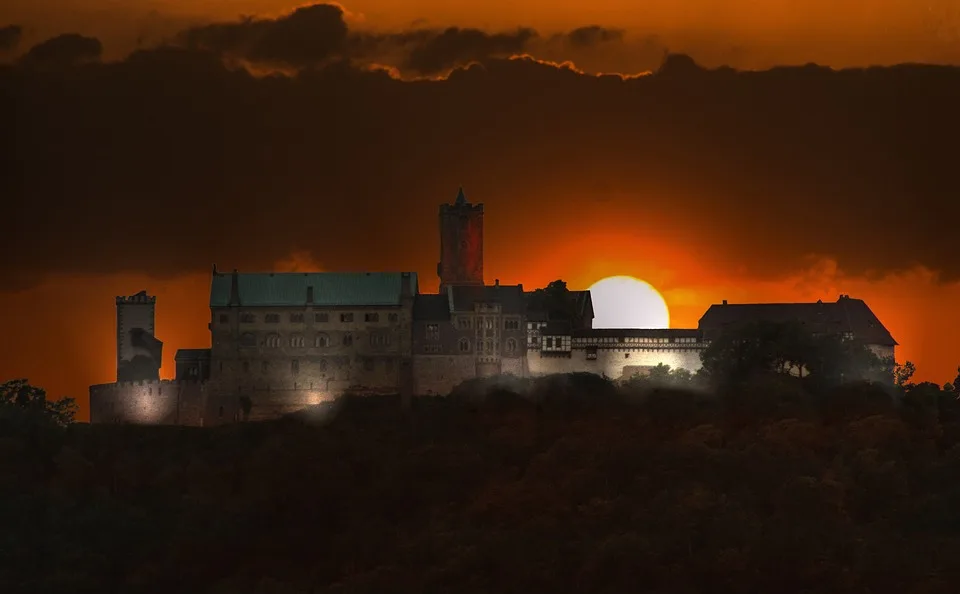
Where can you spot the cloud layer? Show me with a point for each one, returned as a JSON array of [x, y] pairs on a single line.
[[169, 159]]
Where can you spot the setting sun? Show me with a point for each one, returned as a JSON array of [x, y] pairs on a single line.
[[628, 302]]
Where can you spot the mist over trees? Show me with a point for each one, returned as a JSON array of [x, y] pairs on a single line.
[[771, 482]]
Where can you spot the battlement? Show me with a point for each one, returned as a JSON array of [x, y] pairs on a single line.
[[139, 298], [151, 402]]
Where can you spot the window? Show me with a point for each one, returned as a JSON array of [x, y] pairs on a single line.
[[371, 317], [511, 345], [346, 317], [479, 346], [511, 324], [549, 342], [489, 345], [488, 323], [464, 345], [433, 331], [431, 348], [248, 339], [321, 318], [848, 335], [296, 342], [295, 366], [321, 340], [379, 339], [224, 318], [296, 318], [393, 317], [246, 366], [347, 339], [463, 323], [264, 366], [272, 318], [247, 318], [273, 341], [323, 364]]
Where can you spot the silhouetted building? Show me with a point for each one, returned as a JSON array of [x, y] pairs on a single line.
[[283, 341], [848, 318]]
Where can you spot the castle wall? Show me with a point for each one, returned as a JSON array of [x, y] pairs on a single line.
[[439, 374], [613, 363], [161, 402]]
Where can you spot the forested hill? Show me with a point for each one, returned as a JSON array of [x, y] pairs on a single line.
[[586, 488]]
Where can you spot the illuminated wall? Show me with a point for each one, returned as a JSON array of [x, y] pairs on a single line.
[[615, 362], [161, 402]]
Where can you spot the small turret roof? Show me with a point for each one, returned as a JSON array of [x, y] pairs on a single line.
[[461, 197]]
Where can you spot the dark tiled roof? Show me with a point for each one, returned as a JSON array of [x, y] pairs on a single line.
[[431, 308], [510, 297], [637, 333], [584, 306], [844, 315], [191, 354], [557, 328], [329, 288]]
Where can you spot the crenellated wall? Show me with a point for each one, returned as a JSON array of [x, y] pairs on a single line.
[[161, 402]]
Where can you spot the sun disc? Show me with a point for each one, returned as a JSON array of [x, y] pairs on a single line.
[[628, 302]]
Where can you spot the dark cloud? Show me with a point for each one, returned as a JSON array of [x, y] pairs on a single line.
[[10, 37], [308, 35], [169, 161], [313, 35], [64, 50]]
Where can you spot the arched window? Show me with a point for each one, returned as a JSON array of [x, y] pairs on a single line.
[[273, 341], [323, 364], [511, 345], [248, 339], [464, 345], [321, 340], [347, 339], [296, 341]]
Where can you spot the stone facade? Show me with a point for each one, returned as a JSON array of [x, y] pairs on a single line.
[[283, 341]]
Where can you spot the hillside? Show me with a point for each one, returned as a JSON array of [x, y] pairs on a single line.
[[582, 487]]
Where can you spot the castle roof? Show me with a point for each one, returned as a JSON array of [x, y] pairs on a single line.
[[192, 354], [844, 315], [583, 303], [465, 297], [280, 289], [432, 308]]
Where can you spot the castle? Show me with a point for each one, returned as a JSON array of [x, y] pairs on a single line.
[[283, 341]]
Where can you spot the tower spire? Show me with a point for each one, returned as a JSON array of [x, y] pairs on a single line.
[[461, 198]]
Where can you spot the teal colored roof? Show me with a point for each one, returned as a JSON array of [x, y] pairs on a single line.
[[329, 288]]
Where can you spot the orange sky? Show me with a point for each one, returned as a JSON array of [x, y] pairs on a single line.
[[61, 332], [80, 312], [740, 33]]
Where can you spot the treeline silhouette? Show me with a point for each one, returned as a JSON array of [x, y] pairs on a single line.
[[561, 484]]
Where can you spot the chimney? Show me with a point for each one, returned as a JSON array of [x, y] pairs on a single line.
[[310, 295], [496, 282], [724, 301], [405, 290], [235, 288]]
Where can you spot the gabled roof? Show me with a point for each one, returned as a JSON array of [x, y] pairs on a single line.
[[463, 298], [325, 288], [844, 315], [192, 354], [431, 308], [583, 302]]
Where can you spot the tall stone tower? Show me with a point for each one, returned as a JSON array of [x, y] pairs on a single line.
[[461, 243], [139, 353]]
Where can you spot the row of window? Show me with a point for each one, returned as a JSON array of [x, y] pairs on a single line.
[[486, 322], [321, 340], [482, 346], [637, 340], [322, 365], [298, 318]]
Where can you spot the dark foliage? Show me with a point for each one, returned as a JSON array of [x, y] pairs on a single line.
[[569, 484]]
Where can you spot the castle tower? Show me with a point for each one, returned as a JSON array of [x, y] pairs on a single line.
[[461, 243], [139, 353]]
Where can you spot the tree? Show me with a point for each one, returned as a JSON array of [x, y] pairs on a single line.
[[32, 400], [557, 301], [903, 373]]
